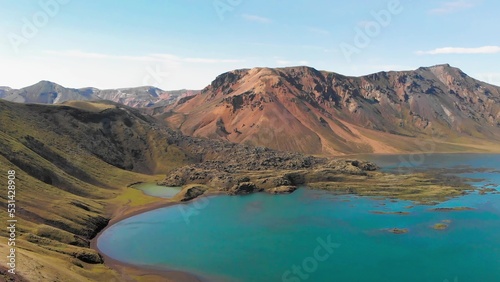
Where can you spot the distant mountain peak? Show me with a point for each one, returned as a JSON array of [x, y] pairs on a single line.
[[440, 67], [45, 85], [46, 82]]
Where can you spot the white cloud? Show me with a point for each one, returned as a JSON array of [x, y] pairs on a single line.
[[255, 18], [76, 68], [144, 58], [452, 6], [491, 78], [461, 50]]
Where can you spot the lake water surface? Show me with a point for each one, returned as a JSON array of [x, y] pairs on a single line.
[[314, 235]]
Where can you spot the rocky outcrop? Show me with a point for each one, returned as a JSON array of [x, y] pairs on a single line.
[[89, 256], [368, 166], [352, 166], [191, 192], [244, 188], [271, 171]]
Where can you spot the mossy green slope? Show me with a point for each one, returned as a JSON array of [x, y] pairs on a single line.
[[72, 164]]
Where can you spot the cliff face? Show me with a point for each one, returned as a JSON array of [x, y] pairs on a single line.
[[305, 110]]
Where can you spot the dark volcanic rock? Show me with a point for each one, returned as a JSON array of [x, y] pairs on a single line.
[[239, 169], [190, 193], [244, 188], [368, 166], [89, 256], [296, 178]]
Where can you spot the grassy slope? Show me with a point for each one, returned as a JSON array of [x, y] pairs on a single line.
[[64, 191]]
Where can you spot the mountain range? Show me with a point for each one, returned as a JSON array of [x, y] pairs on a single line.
[[301, 109], [46, 92]]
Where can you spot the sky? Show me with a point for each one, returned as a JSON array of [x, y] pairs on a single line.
[[176, 44]]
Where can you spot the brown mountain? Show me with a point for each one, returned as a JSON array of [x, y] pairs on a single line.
[[301, 109]]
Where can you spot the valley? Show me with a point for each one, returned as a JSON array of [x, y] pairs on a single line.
[[250, 131]]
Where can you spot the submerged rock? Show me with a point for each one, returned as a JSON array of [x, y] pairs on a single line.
[[390, 212], [444, 224], [453, 209], [398, 230], [440, 226]]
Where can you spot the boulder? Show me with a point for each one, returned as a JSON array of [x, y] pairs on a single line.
[[88, 256], [244, 188], [191, 192], [282, 189]]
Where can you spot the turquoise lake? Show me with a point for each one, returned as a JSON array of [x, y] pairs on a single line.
[[314, 235]]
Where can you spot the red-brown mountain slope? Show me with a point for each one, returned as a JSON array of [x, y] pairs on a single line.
[[305, 110]]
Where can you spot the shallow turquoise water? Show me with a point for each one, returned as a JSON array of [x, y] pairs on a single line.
[[263, 237], [155, 190]]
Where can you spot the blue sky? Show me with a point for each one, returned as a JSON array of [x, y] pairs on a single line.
[[177, 44]]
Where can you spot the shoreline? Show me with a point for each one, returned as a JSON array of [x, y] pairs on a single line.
[[126, 269], [118, 213]]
